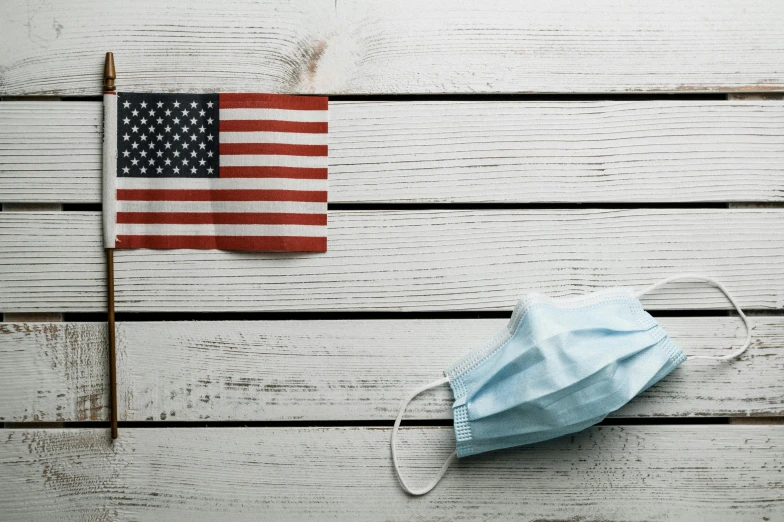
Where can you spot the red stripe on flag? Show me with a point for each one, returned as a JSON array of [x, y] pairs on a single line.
[[273, 101], [273, 149], [306, 127], [282, 243], [312, 196], [273, 172], [221, 218]]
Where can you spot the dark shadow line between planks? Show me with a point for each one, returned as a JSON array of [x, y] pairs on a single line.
[[130, 317], [378, 206], [641, 96], [643, 421], [98, 207], [525, 206]]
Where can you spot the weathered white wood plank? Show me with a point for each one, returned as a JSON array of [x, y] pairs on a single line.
[[483, 151], [634, 473], [400, 46], [537, 152], [55, 259], [407, 260], [332, 370], [50, 151]]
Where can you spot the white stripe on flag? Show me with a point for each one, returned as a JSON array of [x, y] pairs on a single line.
[[293, 207], [125, 229], [222, 183], [266, 160], [288, 138], [274, 114]]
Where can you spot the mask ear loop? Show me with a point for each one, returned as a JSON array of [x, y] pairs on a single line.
[[393, 439], [726, 292]]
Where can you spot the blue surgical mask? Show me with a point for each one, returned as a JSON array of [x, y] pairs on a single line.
[[560, 366]]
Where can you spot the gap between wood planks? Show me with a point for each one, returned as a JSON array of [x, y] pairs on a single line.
[[656, 421], [97, 207], [90, 317], [479, 97], [683, 96]]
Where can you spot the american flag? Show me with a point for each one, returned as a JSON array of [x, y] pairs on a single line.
[[221, 171]]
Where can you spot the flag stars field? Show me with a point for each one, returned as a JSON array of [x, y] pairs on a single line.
[[151, 129]]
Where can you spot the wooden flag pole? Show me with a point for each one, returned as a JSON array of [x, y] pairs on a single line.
[[112, 342], [108, 86]]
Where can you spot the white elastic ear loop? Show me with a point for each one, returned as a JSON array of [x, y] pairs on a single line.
[[392, 440], [726, 292]]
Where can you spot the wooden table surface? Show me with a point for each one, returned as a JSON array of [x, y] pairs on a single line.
[[478, 152]]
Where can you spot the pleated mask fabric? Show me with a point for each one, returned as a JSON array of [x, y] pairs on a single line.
[[559, 366]]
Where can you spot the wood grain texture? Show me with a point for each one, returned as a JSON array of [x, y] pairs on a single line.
[[332, 370], [482, 151], [634, 473], [408, 260], [400, 46], [50, 151], [539, 152], [55, 259]]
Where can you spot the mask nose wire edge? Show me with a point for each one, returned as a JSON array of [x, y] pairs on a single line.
[[393, 439], [700, 277]]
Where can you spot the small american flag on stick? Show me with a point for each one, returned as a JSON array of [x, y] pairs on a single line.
[[215, 171]]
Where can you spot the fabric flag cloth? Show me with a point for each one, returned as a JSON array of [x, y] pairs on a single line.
[[215, 171]]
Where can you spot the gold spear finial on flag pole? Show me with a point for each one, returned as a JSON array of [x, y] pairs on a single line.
[[109, 76], [108, 73]]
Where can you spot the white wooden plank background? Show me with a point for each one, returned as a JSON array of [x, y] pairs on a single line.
[[399, 46], [419, 150], [634, 473], [50, 151], [407, 260], [472, 151], [332, 370]]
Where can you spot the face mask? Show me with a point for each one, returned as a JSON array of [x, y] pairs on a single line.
[[560, 366]]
